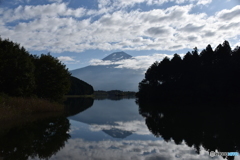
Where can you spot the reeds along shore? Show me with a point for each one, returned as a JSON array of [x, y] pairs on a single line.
[[20, 110]]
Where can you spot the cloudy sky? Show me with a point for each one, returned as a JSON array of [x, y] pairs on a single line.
[[80, 32]]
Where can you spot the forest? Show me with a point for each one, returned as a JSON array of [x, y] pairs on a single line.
[[27, 75], [206, 77]]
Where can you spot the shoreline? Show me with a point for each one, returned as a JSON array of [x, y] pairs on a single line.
[[16, 111]]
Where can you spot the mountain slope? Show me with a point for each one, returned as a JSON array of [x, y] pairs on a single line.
[[117, 56], [107, 77]]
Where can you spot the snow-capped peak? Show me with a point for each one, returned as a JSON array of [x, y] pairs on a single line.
[[117, 56]]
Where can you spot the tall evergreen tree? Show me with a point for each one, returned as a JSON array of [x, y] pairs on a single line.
[[207, 56], [163, 70], [176, 67], [205, 77]]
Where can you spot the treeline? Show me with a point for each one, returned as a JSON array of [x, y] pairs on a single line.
[[26, 75], [208, 76]]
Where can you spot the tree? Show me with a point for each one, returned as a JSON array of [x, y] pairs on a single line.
[[210, 76], [163, 70], [207, 56], [16, 70], [151, 74], [176, 67], [52, 77]]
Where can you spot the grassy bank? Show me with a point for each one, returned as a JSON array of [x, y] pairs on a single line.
[[18, 110]]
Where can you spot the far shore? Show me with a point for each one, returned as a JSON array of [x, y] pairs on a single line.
[[83, 96]]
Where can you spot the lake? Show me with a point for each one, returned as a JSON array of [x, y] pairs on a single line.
[[117, 129]]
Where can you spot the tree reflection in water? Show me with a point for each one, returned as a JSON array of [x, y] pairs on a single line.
[[75, 105], [40, 139], [214, 128]]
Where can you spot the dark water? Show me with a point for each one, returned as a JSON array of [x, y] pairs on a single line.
[[118, 129]]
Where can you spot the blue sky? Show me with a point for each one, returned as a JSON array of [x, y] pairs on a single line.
[[80, 32]]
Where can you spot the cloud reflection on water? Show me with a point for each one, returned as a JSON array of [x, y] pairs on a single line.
[[137, 127], [129, 149]]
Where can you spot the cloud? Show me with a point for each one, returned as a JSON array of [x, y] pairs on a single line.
[[192, 38], [30, 12], [204, 2], [67, 60], [58, 1], [230, 14], [58, 28], [137, 127], [120, 4], [209, 34], [138, 62], [191, 28], [158, 31], [230, 26], [129, 149]]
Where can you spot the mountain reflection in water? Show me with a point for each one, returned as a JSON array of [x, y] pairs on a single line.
[[108, 130], [116, 130]]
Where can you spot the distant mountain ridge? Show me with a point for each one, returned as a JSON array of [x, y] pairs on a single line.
[[117, 133], [108, 77]]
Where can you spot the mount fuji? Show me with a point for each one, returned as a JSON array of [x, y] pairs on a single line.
[[117, 56], [109, 77]]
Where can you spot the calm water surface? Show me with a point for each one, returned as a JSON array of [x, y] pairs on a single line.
[[108, 130]]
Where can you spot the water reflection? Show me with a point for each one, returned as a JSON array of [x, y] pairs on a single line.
[[214, 128], [128, 150], [113, 97], [40, 139], [118, 119], [76, 105], [115, 130]]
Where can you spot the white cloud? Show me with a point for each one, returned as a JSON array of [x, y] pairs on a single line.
[[129, 149], [67, 60], [117, 4], [30, 12], [58, 1], [203, 2], [137, 127], [57, 28], [138, 62], [230, 15]]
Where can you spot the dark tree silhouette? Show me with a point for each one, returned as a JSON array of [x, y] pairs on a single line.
[[52, 77], [205, 78], [16, 69], [22, 74]]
